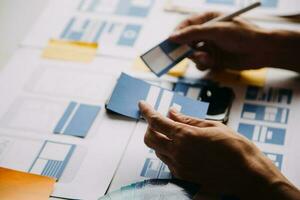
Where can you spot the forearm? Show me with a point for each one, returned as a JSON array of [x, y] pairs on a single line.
[[286, 191], [281, 49], [267, 182]]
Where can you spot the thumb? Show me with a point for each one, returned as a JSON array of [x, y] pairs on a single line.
[[179, 117], [156, 121]]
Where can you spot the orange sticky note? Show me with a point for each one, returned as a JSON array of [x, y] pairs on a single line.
[[70, 50], [16, 185], [177, 71]]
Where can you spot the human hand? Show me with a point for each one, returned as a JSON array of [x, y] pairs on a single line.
[[210, 154], [236, 44]]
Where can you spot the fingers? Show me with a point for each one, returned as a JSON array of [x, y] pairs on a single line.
[[203, 60], [157, 141], [198, 19], [156, 121], [178, 117], [197, 33], [164, 158]]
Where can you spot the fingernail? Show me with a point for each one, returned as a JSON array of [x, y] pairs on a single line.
[[175, 34], [173, 110], [142, 102]]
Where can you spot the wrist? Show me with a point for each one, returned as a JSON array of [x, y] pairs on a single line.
[[266, 181], [280, 49]]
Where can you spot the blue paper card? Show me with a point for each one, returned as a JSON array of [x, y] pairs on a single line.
[[77, 119], [129, 91], [161, 58]]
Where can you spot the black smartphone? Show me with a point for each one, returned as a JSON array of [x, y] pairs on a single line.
[[219, 98]]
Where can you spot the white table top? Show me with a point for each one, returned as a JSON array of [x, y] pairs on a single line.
[[16, 19]]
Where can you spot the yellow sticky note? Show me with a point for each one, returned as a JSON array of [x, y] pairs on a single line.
[[254, 77], [250, 77], [15, 185], [178, 70], [70, 50]]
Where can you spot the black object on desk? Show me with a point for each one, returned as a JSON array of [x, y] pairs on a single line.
[[219, 98]]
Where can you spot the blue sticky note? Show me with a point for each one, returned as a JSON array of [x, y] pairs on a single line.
[[77, 119], [129, 91], [161, 58]]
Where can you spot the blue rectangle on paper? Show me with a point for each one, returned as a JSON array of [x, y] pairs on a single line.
[[191, 107], [82, 120], [65, 117], [277, 134], [181, 88], [278, 159], [269, 3], [54, 168], [129, 35], [129, 8], [129, 91], [252, 93], [274, 95], [75, 35], [224, 2], [67, 29], [265, 113], [99, 31]]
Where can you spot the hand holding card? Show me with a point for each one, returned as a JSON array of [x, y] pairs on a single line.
[[129, 91], [161, 58]]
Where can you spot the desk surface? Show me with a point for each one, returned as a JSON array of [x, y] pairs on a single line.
[[16, 19]]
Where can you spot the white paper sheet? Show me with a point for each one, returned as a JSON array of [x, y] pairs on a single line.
[[134, 160], [31, 106], [50, 85], [276, 133], [120, 31]]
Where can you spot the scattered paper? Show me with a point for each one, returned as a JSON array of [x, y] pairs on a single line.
[[16, 185], [34, 102]]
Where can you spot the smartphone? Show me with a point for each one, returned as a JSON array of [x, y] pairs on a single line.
[[219, 98]]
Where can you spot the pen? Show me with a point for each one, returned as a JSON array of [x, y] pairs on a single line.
[[234, 14], [229, 17]]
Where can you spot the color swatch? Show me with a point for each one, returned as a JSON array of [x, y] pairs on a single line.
[[161, 58]]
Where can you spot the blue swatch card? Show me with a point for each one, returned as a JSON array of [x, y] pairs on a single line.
[[161, 58], [77, 119], [129, 91]]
